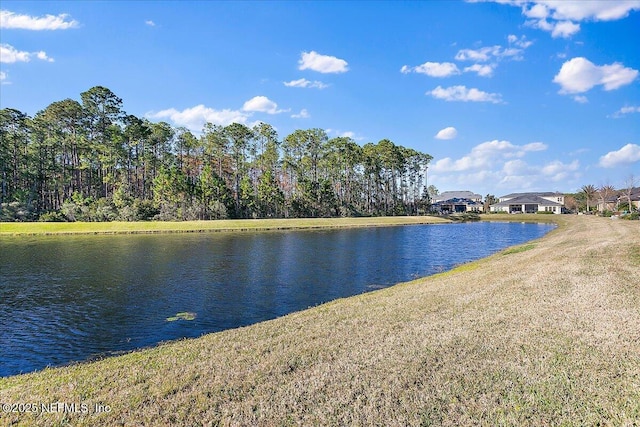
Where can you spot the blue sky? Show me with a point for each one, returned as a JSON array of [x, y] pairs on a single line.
[[505, 95]]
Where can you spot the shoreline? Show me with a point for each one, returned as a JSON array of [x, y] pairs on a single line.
[[15, 229], [543, 335], [160, 227]]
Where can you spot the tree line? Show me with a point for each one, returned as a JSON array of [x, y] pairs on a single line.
[[91, 161], [607, 197]]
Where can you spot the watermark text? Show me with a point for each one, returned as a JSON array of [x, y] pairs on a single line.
[[55, 408]]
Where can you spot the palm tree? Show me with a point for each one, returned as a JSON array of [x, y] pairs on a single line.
[[590, 192]]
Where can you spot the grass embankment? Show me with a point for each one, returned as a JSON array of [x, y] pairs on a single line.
[[549, 335], [46, 228]]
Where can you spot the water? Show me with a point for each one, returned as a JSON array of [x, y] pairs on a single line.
[[73, 298]]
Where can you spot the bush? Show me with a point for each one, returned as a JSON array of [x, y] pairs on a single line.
[[15, 211], [145, 210], [54, 216]]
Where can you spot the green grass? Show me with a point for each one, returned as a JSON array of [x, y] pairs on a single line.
[[35, 228], [546, 336]]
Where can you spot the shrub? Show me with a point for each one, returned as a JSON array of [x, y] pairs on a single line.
[[54, 216], [15, 211], [145, 210]]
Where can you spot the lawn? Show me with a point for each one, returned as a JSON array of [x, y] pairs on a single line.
[[34, 228]]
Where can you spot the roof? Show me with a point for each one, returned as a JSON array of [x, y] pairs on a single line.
[[460, 201], [635, 194], [540, 194], [449, 195], [527, 199]]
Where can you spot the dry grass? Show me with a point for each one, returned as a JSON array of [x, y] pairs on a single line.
[[546, 336]]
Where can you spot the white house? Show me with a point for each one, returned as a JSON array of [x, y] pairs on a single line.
[[530, 203]]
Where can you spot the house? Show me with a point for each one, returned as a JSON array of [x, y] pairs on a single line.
[[614, 201], [635, 197], [611, 203], [623, 198], [457, 201], [530, 203]]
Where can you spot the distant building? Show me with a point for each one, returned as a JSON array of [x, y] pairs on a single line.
[[635, 197], [448, 195], [620, 197], [530, 203], [457, 201]]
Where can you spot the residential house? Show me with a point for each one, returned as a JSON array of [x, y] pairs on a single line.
[[530, 203], [457, 202], [620, 198], [610, 204], [635, 198]]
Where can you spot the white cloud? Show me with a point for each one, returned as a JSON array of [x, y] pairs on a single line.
[[482, 70], [43, 56], [535, 146], [558, 171], [581, 99], [500, 165], [481, 55], [559, 17], [626, 110], [628, 154], [447, 133], [597, 10], [486, 53], [579, 75], [519, 41], [9, 55], [462, 93], [488, 155], [194, 118], [150, 23], [484, 155], [496, 53], [322, 63], [11, 20], [564, 29], [262, 104], [306, 84], [521, 175], [303, 114], [4, 78], [517, 167], [347, 134], [433, 69]]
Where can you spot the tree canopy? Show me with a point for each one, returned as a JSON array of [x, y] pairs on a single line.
[[92, 161]]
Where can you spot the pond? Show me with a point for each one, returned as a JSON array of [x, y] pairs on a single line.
[[74, 298]]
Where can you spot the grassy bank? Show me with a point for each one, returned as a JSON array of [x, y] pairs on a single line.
[[547, 333], [46, 228]]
